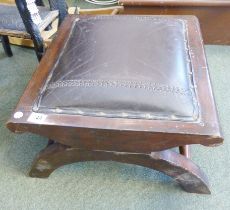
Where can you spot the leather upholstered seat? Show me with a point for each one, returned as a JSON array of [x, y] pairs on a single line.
[[132, 67]]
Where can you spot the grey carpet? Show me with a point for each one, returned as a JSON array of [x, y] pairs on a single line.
[[104, 185]]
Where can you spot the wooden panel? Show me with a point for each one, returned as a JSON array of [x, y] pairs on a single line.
[[199, 3], [7, 1], [184, 171], [214, 20], [102, 11]]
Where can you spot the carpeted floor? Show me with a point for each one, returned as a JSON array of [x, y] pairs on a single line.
[[104, 185]]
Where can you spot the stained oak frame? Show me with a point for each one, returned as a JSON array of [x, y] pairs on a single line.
[[213, 15], [94, 135]]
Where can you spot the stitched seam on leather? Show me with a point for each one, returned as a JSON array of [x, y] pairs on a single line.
[[140, 18], [119, 84]]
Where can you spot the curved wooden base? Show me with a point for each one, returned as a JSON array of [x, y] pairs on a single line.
[[184, 171]]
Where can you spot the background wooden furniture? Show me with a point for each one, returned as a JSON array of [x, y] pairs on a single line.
[[213, 15], [7, 1], [47, 35], [27, 21], [146, 142]]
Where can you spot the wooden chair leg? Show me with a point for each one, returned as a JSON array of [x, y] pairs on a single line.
[[6, 45], [185, 150], [184, 171]]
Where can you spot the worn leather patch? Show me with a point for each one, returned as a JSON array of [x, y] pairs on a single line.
[[123, 66]]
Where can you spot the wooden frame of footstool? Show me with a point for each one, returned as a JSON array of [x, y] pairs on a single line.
[[213, 15], [75, 138]]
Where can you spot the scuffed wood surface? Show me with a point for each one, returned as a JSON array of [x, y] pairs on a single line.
[[182, 170]]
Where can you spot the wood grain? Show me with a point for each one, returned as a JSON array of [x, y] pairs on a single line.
[[214, 16], [182, 170]]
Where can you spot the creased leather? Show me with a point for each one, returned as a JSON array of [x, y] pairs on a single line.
[[123, 66]]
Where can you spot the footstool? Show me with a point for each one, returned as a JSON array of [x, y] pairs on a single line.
[[126, 89]]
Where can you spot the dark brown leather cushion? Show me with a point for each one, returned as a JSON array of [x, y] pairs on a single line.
[[123, 66]]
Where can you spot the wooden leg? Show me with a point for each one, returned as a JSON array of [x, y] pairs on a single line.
[[6, 46], [181, 169], [185, 150]]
